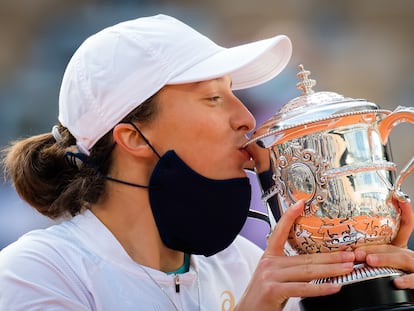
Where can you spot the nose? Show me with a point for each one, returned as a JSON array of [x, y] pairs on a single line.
[[242, 119]]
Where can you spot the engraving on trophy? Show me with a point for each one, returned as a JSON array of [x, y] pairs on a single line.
[[301, 184], [361, 272], [299, 173]]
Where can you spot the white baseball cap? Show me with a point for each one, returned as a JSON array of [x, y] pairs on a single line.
[[118, 68]]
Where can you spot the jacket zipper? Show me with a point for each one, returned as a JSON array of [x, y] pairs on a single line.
[[177, 283]]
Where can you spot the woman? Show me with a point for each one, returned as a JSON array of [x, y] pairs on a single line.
[[147, 164]]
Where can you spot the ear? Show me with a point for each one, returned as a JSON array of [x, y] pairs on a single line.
[[131, 141]]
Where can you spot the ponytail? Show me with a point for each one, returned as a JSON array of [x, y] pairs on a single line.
[[45, 178], [48, 174]]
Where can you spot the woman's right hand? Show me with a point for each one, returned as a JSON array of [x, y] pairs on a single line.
[[279, 277]]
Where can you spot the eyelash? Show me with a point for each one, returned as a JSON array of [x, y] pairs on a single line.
[[214, 98]]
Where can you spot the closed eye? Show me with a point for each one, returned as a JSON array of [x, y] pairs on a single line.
[[214, 100]]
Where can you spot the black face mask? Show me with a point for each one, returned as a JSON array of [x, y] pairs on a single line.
[[195, 214]]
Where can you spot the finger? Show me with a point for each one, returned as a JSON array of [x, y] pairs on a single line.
[[312, 259], [309, 266], [260, 157], [362, 252], [299, 289], [405, 281], [316, 271], [406, 224], [279, 236], [403, 260], [386, 256], [374, 248]]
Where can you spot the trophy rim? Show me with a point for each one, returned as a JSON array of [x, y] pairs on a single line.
[[272, 132], [361, 272]]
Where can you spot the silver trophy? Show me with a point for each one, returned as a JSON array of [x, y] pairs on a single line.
[[331, 151]]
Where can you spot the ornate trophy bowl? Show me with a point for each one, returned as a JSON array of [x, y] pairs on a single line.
[[331, 152]]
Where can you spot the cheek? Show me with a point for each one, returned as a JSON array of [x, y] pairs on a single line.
[[203, 151], [203, 131], [200, 140]]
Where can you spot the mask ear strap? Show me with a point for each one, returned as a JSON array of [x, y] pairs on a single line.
[[145, 139], [258, 215]]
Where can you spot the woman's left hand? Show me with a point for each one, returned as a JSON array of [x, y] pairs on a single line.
[[395, 255]]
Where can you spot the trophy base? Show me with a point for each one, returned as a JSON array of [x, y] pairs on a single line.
[[374, 294]]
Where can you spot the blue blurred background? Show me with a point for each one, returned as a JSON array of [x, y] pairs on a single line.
[[361, 49]]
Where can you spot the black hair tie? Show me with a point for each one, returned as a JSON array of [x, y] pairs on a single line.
[[76, 159]]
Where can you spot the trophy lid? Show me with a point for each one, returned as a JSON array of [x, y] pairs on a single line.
[[309, 110]]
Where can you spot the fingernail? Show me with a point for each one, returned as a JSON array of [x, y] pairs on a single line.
[[298, 204], [400, 282], [360, 254]]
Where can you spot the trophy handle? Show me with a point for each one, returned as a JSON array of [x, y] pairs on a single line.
[[398, 116]]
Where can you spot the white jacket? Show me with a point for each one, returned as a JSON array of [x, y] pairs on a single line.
[[79, 265]]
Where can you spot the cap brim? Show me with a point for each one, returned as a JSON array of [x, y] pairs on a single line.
[[249, 64]]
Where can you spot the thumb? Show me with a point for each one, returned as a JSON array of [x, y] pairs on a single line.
[[279, 236], [406, 225]]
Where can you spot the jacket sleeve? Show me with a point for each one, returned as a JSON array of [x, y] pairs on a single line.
[[33, 276]]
